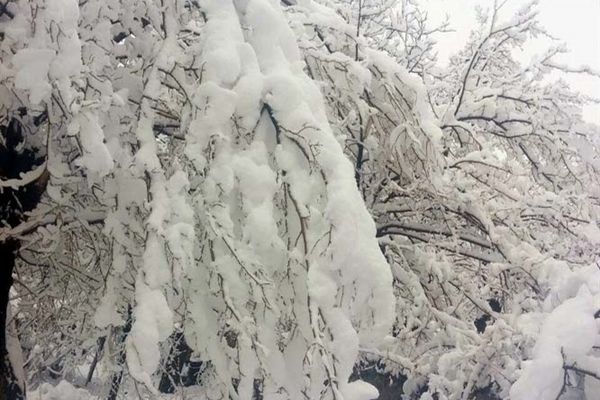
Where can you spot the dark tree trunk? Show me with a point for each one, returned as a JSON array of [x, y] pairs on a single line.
[[258, 389], [9, 386], [15, 159], [117, 377]]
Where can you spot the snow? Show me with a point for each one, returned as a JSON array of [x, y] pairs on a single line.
[[68, 63], [245, 70], [61, 391], [42, 59], [155, 266], [243, 218], [567, 336], [359, 390], [95, 158], [153, 323], [33, 66], [297, 104]]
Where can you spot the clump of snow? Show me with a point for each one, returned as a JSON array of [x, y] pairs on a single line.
[[45, 61], [96, 158], [274, 167], [360, 390], [153, 324], [62, 391], [567, 337], [33, 66]]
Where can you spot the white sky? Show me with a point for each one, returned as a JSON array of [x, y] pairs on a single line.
[[574, 22]]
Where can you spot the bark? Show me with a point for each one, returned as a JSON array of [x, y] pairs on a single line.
[[16, 198], [117, 377], [97, 356], [9, 386]]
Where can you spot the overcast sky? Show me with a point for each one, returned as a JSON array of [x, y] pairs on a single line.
[[574, 22]]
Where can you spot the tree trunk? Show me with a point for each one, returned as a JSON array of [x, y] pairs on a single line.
[[15, 159], [9, 385], [118, 375]]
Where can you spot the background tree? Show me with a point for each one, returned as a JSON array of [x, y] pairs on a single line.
[[465, 214]]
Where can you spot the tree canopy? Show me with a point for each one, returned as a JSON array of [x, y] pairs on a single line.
[[262, 199]]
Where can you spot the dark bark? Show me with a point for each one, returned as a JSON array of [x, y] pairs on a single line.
[[257, 388], [117, 377], [14, 203], [97, 356], [9, 388], [5, 11]]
